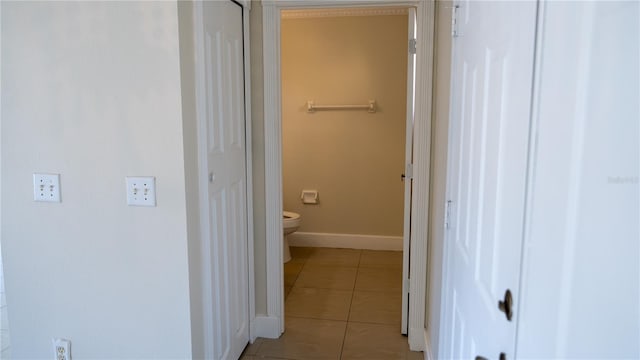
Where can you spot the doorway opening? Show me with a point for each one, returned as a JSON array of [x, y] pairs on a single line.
[[273, 160], [347, 126]]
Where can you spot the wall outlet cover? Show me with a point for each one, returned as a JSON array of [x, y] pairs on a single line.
[[62, 349], [141, 190]]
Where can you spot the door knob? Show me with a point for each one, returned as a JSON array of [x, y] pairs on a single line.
[[506, 305]]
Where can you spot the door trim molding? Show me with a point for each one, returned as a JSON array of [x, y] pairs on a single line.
[[425, 11], [273, 165], [425, 18], [246, 13]]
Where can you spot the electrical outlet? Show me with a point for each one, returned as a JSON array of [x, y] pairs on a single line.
[[62, 349], [141, 190], [46, 187]]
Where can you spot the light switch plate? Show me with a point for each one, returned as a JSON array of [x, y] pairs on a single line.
[[46, 187], [141, 190]]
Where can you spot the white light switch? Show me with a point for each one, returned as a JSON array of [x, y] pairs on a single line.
[[46, 187], [141, 191]]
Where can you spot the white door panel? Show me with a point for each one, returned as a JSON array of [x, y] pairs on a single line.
[[581, 273], [223, 142], [490, 108]]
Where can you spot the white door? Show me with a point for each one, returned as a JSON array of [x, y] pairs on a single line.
[[493, 53], [222, 134], [408, 175]]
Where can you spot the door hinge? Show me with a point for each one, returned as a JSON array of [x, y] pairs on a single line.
[[454, 21], [447, 215], [409, 171], [412, 46], [407, 285]]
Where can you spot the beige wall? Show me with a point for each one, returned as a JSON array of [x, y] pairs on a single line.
[[440, 131], [353, 158]]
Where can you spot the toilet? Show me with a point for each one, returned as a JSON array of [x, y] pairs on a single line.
[[290, 223]]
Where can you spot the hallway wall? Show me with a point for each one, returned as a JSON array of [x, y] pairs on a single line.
[[91, 90]]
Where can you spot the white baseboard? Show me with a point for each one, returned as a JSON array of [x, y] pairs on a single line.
[[416, 339], [266, 327], [428, 354], [348, 241]]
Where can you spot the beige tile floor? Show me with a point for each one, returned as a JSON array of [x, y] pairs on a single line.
[[340, 304]]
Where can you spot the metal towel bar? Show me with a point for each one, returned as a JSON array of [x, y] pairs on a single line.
[[312, 107]]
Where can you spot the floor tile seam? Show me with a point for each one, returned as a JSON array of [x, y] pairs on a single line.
[[399, 291], [297, 276], [299, 272], [296, 260], [317, 318], [374, 323], [312, 264], [306, 318], [346, 328], [381, 270], [355, 280], [320, 288], [386, 267]]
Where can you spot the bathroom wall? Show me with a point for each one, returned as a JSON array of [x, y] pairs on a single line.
[[353, 158]]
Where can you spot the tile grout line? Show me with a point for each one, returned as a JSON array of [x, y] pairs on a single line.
[[298, 274], [353, 292], [286, 296], [297, 277]]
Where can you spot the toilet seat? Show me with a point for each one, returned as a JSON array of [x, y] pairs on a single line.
[[290, 223], [290, 219]]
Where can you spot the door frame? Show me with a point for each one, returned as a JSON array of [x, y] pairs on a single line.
[[425, 18], [198, 28], [408, 171]]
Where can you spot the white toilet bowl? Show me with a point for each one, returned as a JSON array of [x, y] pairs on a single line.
[[290, 223]]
